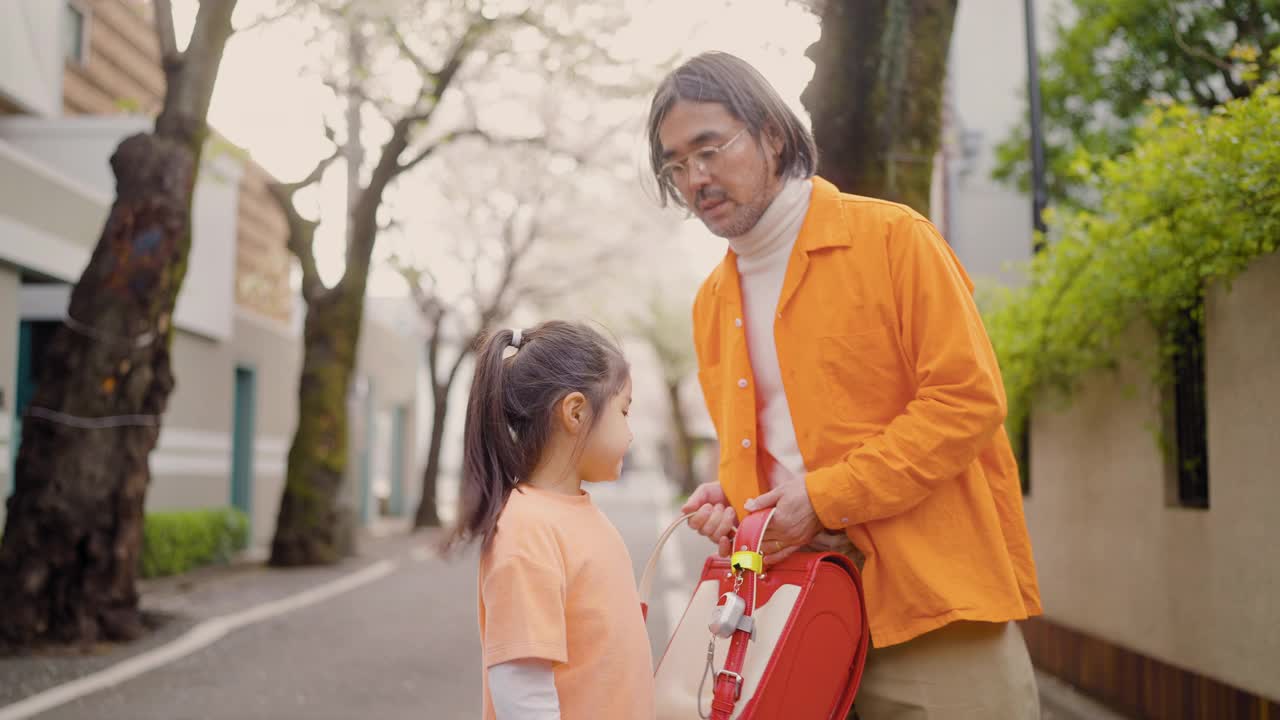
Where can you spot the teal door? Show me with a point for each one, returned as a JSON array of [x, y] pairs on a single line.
[[33, 338], [242, 440], [398, 478]]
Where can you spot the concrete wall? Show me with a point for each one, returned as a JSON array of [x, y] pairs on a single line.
[[80, 148], [387, 365], [191, 466], [274, 351], [988, 223], [31, 55], [49, 221], [1199, 589]]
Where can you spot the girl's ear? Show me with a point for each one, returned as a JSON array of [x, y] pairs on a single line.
[[571, 413]]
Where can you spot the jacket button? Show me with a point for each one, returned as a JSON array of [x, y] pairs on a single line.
[[742, 382], [737, 322], [746, 442]]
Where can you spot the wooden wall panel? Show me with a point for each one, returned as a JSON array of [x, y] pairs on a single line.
[[1134, 684]]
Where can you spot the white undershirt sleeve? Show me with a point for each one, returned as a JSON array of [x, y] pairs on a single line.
[[524, 689]]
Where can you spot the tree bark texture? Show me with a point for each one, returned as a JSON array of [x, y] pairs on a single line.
[[308, 527], [69, 556], [876, 97], [69, 559], [428, 514]]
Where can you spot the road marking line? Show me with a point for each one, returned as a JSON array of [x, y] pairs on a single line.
[[197, 638]]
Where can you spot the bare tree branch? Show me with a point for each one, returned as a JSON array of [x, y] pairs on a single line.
[[441, 79], [190, 75], [164, 30], [424, 69], [429, 149], [424, 296], [272, 18], [301, 230], [314, 176], [1195, 52]]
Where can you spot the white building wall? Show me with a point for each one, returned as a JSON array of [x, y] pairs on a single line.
[[989, 222], [73, 157]]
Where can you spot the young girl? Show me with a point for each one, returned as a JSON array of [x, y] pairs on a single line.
[[560, 619]]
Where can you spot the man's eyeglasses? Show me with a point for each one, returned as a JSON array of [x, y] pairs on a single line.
[[705, 159]]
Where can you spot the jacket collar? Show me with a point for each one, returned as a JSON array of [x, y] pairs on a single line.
[[823, 228]]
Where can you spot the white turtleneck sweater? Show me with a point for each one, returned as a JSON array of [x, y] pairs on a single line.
[[763, 253]]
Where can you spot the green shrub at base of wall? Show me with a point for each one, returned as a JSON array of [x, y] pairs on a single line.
[[175, 542]]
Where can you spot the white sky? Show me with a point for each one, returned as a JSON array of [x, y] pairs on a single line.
[[269, 100]]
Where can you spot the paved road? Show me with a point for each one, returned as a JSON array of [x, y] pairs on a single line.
[[401, 647], [404, 646]]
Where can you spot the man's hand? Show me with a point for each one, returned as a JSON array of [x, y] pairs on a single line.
[[714, 517], [794, 523]]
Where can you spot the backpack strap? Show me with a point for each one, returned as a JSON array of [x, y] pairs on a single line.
[[748, 560], [646, 577]]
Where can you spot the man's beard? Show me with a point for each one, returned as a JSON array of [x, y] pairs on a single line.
[[744, 217]]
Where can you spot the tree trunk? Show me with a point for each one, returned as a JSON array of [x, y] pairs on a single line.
[[876, 96], [69, 560], [428, 514], [69, 556], [688, 479], [309, 527]]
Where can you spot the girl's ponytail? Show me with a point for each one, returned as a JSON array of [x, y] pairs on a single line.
[[491, 459]]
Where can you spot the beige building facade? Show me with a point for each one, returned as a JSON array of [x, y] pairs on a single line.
[[237, 352]]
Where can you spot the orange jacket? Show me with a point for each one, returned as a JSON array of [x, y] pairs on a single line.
[[898, 407]]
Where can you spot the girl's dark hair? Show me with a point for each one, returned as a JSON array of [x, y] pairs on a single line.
[[718, 77], [509, 413]]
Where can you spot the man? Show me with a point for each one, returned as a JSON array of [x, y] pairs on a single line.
[[853, 387]]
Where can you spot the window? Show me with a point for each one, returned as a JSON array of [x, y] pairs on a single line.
[[1188, 426], [75, 32]]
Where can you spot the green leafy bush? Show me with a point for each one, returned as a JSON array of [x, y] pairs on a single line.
[[175, 542], [1196, 201]]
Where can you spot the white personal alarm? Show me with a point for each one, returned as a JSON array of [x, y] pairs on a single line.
[[728, 616]]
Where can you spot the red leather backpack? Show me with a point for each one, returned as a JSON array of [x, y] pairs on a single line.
[[788, 642]]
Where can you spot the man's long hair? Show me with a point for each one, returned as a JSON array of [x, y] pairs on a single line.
[[718, 77]]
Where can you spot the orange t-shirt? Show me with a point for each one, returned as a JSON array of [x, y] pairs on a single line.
[[556, 584]]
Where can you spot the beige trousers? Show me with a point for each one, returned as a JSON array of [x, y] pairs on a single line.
[[962, 671]]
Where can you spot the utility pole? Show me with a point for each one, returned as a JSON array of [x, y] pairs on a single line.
[[1039, 194]]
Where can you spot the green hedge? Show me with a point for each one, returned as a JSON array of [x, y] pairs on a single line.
[[175, 542], [1194, 203]]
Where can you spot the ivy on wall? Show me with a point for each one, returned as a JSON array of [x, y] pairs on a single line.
[[1195, 201]]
